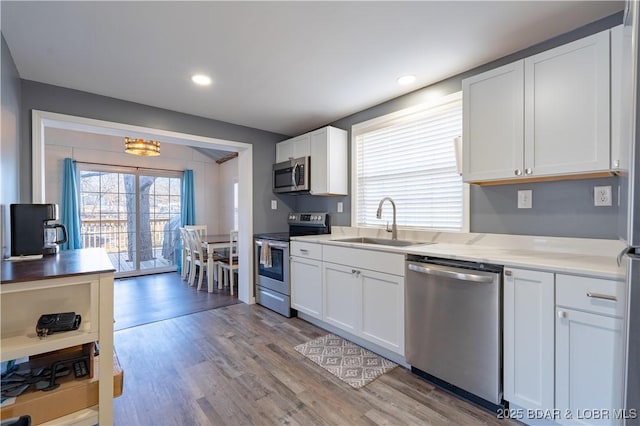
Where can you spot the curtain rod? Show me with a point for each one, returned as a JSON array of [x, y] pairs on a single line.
[[130, 167]]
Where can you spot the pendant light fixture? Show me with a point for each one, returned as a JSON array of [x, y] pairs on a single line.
[[141, 147]]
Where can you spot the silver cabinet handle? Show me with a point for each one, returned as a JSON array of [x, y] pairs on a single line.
[[562, 314], [528, 171], [517, 172], [602, 296], [355, 272], [305, 251], [442, 272]]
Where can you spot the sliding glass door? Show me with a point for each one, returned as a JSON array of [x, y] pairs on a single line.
[[134, 214]]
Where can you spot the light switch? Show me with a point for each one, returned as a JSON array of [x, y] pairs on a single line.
[[274, 204], [525, 199], [340, 206]]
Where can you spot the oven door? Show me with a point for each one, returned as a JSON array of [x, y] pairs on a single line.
[[276, 276]]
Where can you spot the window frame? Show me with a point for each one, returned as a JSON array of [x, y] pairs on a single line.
[[391, 119]]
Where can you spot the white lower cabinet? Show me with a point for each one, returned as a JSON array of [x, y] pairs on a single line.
[[355, 290], [306, 293], [342, 297], [529, 338], [589, 349], [563, 347], [367, 303], [587, 389], [383, 309]]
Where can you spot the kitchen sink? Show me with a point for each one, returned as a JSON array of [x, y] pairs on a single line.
[[380, 241]]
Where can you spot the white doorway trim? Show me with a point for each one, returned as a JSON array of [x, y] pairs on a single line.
[[44, 119]]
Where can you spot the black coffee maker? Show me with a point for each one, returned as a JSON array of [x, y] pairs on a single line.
[[31, 230]]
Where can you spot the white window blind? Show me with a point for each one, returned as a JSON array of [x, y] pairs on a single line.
[[410, 157]]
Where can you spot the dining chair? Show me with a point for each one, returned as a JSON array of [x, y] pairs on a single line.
[[186, 253], [198, 258], [201, 229], [228, 265]]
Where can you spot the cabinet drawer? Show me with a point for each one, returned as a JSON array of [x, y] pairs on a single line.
[[590, 294], [310, 250], [390, 263]]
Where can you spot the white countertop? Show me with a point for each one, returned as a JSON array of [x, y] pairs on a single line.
[[582, 256]]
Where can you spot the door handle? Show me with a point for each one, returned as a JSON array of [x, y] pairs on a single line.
[[602, 296]]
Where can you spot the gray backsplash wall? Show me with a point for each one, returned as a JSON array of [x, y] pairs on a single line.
[[46, 97], [562, 209]]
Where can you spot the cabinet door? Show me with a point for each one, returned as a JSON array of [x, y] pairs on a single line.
[[293, 148], [383, 310], [618, 160], [567, 108], [493, 132], [302, 146], [529, 338], [329, 162], [284, 150], [306, 286], [587, 346], [342, 297]]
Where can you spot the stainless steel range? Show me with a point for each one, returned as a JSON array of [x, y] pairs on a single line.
[[273, 287]]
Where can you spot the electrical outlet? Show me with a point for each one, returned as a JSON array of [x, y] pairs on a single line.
[[602, 196], [340, 207], [274, 204], [525, 199]]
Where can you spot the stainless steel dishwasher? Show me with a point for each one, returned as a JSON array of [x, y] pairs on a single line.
[[453, 325]]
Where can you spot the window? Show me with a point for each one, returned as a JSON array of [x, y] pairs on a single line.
[[410, 156]]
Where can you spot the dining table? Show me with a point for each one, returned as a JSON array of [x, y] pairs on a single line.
[[214, 242]]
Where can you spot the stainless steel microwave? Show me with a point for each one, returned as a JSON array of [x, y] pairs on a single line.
[[291, 175]]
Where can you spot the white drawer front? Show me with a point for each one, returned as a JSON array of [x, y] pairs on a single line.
[[590, 294], [390, 263], [309, 250]]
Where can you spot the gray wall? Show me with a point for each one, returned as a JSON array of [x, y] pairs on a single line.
[[555, 203], [9, 176], [46, 97]]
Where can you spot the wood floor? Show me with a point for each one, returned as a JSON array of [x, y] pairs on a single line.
[[236, 366], [150, 298]]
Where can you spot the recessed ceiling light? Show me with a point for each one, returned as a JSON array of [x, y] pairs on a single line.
[[201, 79], [406, 79]]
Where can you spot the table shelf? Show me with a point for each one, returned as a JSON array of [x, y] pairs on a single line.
[[22, 346]]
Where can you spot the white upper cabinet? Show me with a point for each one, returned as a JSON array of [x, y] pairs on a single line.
[[546, 115], [567, 108], [493, 115], [329, 162], [328, 150], [293, 148], [619, 161]]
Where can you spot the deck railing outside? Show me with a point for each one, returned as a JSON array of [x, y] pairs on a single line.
[[113, 234]]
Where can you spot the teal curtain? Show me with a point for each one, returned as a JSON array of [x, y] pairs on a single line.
[[188, 212], [188, 206], [70, 206]]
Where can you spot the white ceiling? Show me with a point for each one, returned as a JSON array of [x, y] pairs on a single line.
[[286, 67]]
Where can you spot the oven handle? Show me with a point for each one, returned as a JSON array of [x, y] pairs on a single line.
[[274, 244]]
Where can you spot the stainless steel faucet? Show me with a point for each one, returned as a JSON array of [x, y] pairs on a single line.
[[394, 228]]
